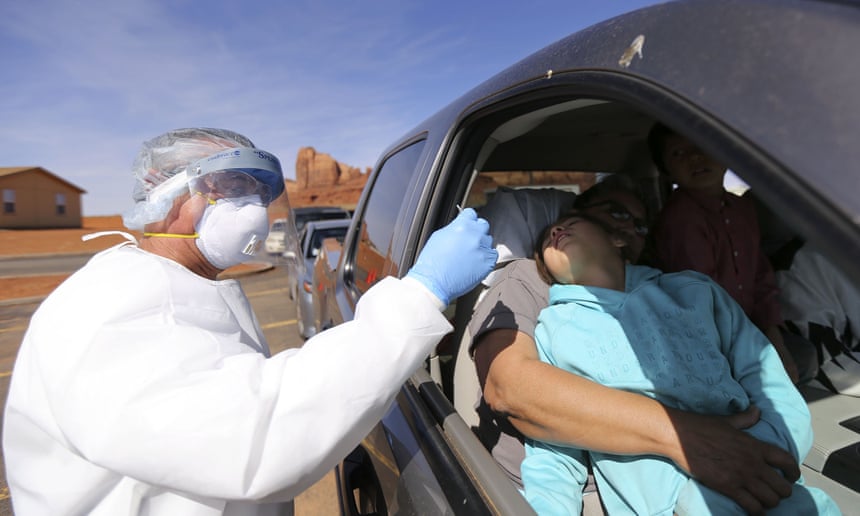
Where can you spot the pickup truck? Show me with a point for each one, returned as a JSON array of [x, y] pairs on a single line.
[[275, 243], [768, 87]]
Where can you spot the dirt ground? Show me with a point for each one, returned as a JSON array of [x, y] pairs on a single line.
[[16, 242]]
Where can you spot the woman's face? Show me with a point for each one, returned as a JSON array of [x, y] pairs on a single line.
[[625, 214], [574, 244]]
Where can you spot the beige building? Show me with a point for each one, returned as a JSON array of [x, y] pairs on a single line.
[[32, 197]]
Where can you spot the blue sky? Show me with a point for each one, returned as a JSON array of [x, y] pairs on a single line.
[[86, 82]]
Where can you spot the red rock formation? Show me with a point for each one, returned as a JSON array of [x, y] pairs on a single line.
[[314, 170], [322, 180]]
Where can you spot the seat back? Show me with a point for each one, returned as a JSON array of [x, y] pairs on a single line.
[[516, 217]]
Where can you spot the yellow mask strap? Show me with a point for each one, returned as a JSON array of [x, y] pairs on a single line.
[[174, 235]]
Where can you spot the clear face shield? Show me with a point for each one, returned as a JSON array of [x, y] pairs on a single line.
[[246, 175], [243, 176], [237, 173]]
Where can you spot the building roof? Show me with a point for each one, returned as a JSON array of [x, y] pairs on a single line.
[[8, 171]]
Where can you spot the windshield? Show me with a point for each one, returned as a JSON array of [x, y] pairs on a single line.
[[302, 219]]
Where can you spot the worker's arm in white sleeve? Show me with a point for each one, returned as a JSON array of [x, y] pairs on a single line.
[[341, 383]]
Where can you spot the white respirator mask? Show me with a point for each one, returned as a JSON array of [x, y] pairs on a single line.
[[231, 230]]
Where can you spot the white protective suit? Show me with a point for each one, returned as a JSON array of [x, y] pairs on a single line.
[[142, 388]]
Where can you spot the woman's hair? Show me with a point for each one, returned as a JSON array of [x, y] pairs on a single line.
[[543, 272], [610, 184]]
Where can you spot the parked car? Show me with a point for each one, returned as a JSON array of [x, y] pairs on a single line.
[[310, 239], [768, 87], [324, 280], [275, 244]]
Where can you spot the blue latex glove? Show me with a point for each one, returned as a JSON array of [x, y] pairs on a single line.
[[456, 257]]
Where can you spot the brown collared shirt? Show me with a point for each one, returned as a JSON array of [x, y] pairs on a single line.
[[719, 236]]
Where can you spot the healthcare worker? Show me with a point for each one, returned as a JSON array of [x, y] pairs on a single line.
[[144, 385]]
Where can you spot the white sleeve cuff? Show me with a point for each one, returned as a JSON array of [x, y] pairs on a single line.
[[430, 295]]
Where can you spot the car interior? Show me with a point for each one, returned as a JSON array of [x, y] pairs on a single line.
[[526, 170]]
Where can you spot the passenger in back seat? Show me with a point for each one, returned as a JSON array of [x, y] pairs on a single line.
[[707, 229], [522, 394]]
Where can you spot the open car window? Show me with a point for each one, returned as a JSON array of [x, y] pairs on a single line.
[[525, 169]]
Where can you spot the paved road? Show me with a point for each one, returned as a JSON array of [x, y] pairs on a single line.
[[267, 292], [41, 264]]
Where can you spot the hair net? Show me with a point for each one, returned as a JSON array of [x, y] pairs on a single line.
[[161, 159]]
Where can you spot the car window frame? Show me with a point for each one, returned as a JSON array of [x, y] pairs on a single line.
[[450, 175]]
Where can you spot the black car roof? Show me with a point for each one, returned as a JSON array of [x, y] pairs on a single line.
[[784, 74]]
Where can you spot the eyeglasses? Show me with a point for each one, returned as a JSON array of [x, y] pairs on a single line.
[[231, 184], [620, 213]]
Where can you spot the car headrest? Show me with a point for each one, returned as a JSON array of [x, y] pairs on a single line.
[[517, 216]]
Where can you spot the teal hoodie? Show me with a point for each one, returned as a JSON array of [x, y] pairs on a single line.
[[678, 338]]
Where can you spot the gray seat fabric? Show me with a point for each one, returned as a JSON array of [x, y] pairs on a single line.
[[516, 217]]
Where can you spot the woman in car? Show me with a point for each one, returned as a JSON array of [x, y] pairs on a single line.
[[524, 397]]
